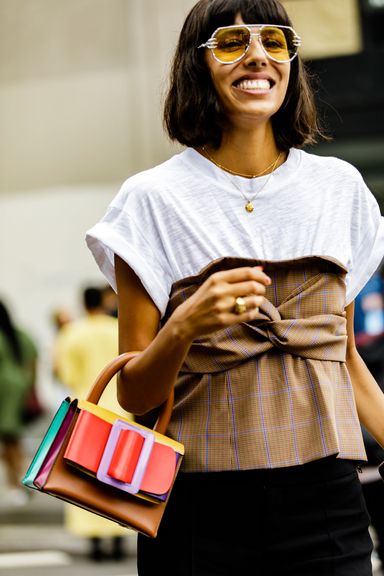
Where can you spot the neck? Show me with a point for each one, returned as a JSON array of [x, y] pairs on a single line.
[[95, 311], [247, 152]]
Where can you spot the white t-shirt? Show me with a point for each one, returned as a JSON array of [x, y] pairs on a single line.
[[171, 221]]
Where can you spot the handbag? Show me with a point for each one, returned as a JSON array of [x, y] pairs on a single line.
[[105, 463]]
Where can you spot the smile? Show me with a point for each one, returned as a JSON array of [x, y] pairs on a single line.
[[254, 84]]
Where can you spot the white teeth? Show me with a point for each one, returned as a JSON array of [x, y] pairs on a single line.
[[254, 84]]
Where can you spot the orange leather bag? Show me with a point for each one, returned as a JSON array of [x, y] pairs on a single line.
[[104, 463]]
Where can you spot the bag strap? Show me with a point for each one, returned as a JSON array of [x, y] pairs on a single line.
[[110, 370]]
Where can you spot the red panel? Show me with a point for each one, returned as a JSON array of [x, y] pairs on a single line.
[[88, 440], [160, 471]]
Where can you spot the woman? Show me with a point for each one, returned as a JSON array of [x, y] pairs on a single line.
[[18, 357], [248, 253]]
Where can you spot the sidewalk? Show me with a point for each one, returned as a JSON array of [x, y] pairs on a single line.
[[33, 540], [43, 550], [40, 508]]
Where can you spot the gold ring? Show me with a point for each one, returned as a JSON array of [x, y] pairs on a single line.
[[240, 306]]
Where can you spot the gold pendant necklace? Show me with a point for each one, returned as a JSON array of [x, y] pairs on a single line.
[[249, 206]]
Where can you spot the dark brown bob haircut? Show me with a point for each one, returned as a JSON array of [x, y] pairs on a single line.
[[193, 114]]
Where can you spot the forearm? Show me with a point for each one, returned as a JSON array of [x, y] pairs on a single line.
[[369, 397], [147, 380]]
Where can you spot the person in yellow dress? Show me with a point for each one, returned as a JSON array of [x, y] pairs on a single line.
[[82, 349]]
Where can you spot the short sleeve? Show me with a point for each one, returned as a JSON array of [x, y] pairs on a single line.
[[132, 229], [367, 241]]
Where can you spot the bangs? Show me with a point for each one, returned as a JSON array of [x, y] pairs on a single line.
[[223, 13]]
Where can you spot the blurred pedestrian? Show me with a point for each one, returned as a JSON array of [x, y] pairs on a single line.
[[369, 326], [109, 300], [60, 318], [83, 347], [236, 264], [18, 359]]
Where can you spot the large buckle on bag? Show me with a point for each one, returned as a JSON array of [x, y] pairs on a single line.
[[116, 462]]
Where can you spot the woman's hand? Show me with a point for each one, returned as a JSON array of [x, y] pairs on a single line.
[[146, 381], [212, 306]]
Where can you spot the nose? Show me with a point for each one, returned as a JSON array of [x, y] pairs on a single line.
[[255, 53]]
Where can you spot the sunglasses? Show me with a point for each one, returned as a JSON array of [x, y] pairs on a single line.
[[229, 44]]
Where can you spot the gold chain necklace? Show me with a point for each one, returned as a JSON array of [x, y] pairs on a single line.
[[249, 207], [271, 165]]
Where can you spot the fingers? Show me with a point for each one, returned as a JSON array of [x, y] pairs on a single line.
[[252, 302], [250, 288], [248, 304], [225, 287], [245, 274], [248, 316]]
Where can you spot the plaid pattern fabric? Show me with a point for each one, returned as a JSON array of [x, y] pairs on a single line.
[[274, 392]]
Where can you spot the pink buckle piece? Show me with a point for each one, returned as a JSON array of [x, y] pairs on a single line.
[[108, 465]]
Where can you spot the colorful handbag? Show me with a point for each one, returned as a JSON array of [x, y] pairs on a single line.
[[105, 463]]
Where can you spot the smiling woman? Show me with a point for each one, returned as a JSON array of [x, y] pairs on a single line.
[[192, 99], [236, 263]]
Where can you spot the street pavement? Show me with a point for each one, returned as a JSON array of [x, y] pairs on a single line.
[[34, 541]]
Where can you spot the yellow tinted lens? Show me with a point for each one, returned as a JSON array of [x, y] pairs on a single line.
[[278, 43], [231, 44]]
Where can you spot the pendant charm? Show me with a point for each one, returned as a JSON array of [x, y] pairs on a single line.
[[249, 207]]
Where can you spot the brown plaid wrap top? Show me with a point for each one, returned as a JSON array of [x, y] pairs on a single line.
[[274, 392]]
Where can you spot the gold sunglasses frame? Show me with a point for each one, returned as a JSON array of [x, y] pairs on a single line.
[[212, 43]]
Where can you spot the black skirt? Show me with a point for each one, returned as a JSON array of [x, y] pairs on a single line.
[[308, 520]]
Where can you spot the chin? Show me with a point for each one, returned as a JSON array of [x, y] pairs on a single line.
[[256, 113]]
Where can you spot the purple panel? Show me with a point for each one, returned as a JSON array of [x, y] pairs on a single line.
[[102, 473]]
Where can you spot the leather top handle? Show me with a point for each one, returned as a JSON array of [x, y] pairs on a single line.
[[110, 371]]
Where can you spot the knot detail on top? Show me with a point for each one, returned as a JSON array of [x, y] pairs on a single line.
[[302, 315]]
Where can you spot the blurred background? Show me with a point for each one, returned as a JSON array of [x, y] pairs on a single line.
[[81, 93]]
